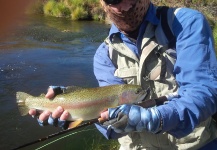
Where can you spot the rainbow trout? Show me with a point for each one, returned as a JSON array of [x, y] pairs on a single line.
[[83, 103]]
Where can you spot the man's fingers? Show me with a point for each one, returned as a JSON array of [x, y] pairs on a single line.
[[35, 112], [64, 115], [50, 93], [105, 115], [44, 116], [58, 112], [32, 112], [51, 118]]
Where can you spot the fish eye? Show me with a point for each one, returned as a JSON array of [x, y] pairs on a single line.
[[138, 90]]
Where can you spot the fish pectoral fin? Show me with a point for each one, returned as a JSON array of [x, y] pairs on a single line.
[[75, 123]]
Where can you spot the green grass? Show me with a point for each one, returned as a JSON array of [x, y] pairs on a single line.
[[57, 9], [215, 35], [76, 9], [48, 8], [79, 13], [61, 10]]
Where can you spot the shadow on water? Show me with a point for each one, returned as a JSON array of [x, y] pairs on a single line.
[[45, 51]]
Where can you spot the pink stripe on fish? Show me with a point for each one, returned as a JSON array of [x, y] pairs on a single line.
[[105, 102]]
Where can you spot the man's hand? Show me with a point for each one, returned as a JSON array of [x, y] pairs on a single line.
[[50, 93], [57, 118], [128, 118]]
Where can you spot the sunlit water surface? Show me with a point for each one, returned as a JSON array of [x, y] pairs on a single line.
[[45, 51]]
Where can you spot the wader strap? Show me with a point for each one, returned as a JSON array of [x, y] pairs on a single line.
[[146, 51], [163, 68], [148, 35], [163, 17], [117, 44], [148, 45]]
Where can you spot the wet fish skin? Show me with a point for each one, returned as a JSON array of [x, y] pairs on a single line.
[[83, 103]]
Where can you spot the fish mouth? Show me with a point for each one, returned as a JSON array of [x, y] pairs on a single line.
[[143, 95]]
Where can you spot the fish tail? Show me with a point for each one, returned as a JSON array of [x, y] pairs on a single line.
[[21, 98]]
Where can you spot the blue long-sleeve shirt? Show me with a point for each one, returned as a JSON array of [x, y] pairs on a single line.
[[195, 70]]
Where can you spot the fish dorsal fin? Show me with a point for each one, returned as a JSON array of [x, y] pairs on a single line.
[[72, 89]]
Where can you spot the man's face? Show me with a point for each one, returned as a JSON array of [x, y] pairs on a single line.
[[127, 15]]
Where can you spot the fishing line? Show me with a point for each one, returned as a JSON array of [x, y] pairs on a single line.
[[63, 138], [58, 133]]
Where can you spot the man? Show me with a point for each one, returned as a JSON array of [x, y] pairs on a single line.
[[177, 60]]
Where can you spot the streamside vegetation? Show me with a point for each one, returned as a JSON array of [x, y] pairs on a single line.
[[91, 9], [72, 9]]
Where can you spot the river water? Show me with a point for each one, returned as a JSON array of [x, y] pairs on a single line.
[[45, 51]]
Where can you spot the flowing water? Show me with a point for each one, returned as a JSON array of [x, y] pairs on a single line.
[[45, 51]]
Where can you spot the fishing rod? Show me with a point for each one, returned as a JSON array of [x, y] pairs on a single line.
[[96, 120]]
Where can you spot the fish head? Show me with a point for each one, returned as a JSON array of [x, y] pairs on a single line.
[[132, 94]]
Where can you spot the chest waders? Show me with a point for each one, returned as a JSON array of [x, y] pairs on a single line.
[[154, 71]]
